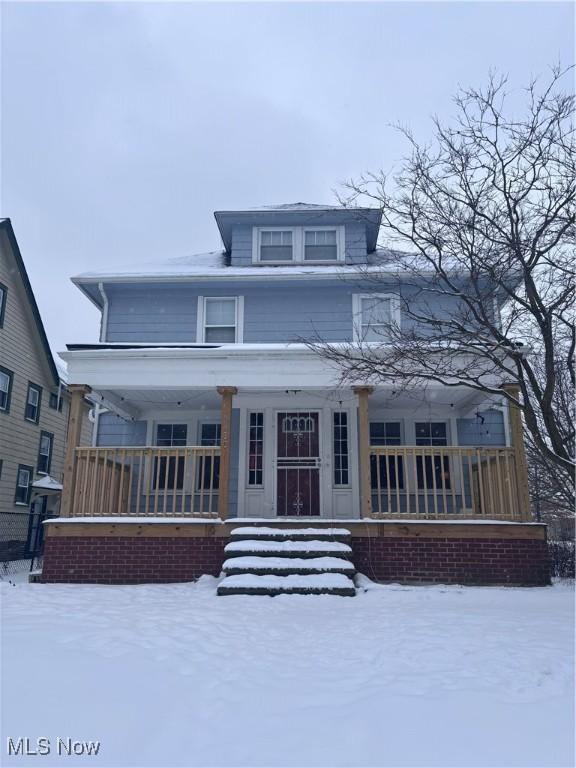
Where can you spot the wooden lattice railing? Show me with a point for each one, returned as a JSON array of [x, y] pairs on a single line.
[[146, 482], [441, 482]]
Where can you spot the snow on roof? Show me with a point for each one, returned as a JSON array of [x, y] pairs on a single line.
[[47, 484], [215, 263], [297, 207]]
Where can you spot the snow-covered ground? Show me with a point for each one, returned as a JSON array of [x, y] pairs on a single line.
[[397, 676]]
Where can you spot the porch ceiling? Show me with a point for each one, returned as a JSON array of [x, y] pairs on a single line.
[[435, 398]]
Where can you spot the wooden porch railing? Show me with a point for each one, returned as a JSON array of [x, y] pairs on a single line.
[[146, 482], [441, 482]]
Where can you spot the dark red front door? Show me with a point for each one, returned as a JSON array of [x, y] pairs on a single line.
[[298, 463]]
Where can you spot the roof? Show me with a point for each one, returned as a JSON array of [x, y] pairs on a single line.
[[216, 264], [301, 214], [6, 226]]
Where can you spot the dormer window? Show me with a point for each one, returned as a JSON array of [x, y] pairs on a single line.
[[283, 245], [276, 245]]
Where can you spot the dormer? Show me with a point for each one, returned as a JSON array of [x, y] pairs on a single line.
[[299, 233]]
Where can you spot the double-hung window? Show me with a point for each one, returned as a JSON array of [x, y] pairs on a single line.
[[3, 297], [168, 471], [23, 484], [33, 401], [220, 319], [45, 452], [432, 471], [6, 377], [386, 471], [374, 316], [287, 245], [209, 474], [276, 245]]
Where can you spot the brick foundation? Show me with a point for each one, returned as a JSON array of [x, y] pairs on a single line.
[[455, 553], [512, 562], [129, 560]]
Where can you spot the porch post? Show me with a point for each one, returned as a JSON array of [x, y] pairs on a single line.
[[225, 426], [364, 449], [77, 394], [517, 442]]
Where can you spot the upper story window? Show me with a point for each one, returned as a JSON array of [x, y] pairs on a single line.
[[288, 245], [3, 297], [33, 400], [6, 377], [220, 319], [374, 315], [55, 401]]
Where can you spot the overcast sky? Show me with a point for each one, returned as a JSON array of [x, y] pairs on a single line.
[[124, 126]]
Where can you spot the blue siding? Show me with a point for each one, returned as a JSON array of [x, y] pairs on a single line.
[[156, 312], [114, 431], [489, 433]]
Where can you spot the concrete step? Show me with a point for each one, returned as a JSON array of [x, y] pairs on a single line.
[[306, 548], [318, 584], [284, 566], [280, 534]]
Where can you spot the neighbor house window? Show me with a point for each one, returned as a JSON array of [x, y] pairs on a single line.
[[3, 297], [23, 484], [220, 319], [209, 474], [255, 449], [432, 471], [386, 471], [374, 316], [6, 377], [298, 245], [340, 447], [168, 471], [45, 453], [55, 401], [33, 400]]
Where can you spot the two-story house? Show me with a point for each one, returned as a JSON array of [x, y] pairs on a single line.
[[34, 406], [214, 410]]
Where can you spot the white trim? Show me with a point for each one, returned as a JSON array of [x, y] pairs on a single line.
[[298, 245], [238, 318], [357, 312], [104, 315]]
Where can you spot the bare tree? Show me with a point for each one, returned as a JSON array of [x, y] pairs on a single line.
[[487, 213]]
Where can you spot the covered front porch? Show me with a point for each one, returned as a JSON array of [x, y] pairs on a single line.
[[311, 449]]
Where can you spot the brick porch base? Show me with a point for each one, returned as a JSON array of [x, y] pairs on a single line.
[[447, 553]]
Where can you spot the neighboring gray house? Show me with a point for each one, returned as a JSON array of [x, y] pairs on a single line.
[[34, 408]]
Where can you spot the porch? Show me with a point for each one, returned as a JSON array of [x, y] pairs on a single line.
[[279, 455]]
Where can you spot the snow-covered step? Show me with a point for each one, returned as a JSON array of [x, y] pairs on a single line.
[[319, 584], [287, 565], [280, 534], [290, 548]]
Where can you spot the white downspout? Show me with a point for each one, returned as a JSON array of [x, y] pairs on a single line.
[[104, 320]]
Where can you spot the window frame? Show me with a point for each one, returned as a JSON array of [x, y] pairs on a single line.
[[357, 299], [4, 301], [37, 388], [10, 375], [58, 403], [30, 470], [341, 470], [239, 319], [50, 436], [259, 440], [298, 244]]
